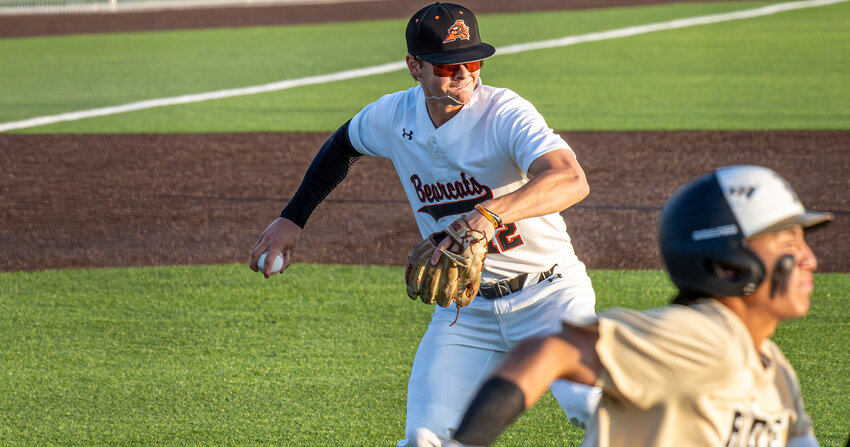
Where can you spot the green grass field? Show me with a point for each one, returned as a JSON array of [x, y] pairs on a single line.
[[786, 71], [216, 355]]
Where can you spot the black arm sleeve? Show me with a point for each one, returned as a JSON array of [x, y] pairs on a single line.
[[497, 404], [327, 170]]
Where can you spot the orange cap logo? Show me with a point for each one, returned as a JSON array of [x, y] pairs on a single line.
[[457, 31]]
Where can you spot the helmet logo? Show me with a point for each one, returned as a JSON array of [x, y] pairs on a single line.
[[457, 31], [740, 194], [716, 232], [742, 191]]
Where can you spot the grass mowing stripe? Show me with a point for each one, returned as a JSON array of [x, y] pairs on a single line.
[[216, 355], [389, 67]]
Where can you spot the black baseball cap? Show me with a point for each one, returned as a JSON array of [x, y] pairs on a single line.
[[445, 33]]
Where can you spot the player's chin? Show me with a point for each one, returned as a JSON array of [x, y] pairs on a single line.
[[462, 95], [803, 308], [801, 303]]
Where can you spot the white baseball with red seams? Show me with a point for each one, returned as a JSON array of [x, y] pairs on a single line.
[[276, 266]]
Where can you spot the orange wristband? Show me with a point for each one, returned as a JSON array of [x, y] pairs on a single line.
[[492, 217]]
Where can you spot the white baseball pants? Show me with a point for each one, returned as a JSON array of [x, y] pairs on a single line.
[[453, 361]]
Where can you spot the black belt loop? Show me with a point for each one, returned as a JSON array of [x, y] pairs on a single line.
[[506, 287]]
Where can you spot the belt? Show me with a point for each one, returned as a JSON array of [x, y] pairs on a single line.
[[506, 287]]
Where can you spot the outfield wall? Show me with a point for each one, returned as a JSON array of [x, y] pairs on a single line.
[[16, 7]]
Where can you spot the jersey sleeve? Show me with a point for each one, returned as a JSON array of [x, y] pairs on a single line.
[[527, 134], [651, 356], [801, 426], [369, 126]]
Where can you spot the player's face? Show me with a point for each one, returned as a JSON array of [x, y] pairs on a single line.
[[456, 81], [786, 290]]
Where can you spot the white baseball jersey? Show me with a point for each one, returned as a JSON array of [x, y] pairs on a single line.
[[482, 152], [691, 376]]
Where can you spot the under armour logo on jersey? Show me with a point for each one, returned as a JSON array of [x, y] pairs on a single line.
[[405, 133], [457, 31]]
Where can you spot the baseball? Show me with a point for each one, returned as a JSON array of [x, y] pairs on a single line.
[[278, 263]]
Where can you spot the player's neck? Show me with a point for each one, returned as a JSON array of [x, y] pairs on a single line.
[[760, 325], [440, 112]]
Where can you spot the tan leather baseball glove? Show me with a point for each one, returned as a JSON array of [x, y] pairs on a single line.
[[457, 275]]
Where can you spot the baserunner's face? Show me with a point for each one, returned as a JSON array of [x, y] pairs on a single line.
[[790, 263], [457, 81]]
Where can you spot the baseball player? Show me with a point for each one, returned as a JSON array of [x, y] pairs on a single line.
[[700, 372], [462, 148]]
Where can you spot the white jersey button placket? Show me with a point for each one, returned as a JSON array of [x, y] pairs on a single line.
[[438, 157]]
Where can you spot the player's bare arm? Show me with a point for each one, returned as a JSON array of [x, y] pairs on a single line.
[[536, 362], [524, 376], [557, 182]]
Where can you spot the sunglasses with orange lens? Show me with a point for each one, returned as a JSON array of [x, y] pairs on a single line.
[[445, 70]]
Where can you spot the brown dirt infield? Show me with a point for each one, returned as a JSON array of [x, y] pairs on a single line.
[[140, 200]]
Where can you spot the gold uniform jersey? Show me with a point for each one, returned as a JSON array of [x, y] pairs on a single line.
[[691, 376]]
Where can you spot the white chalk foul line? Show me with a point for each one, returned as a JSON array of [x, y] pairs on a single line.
[[199, 97], [394, 66], [663, 26]]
